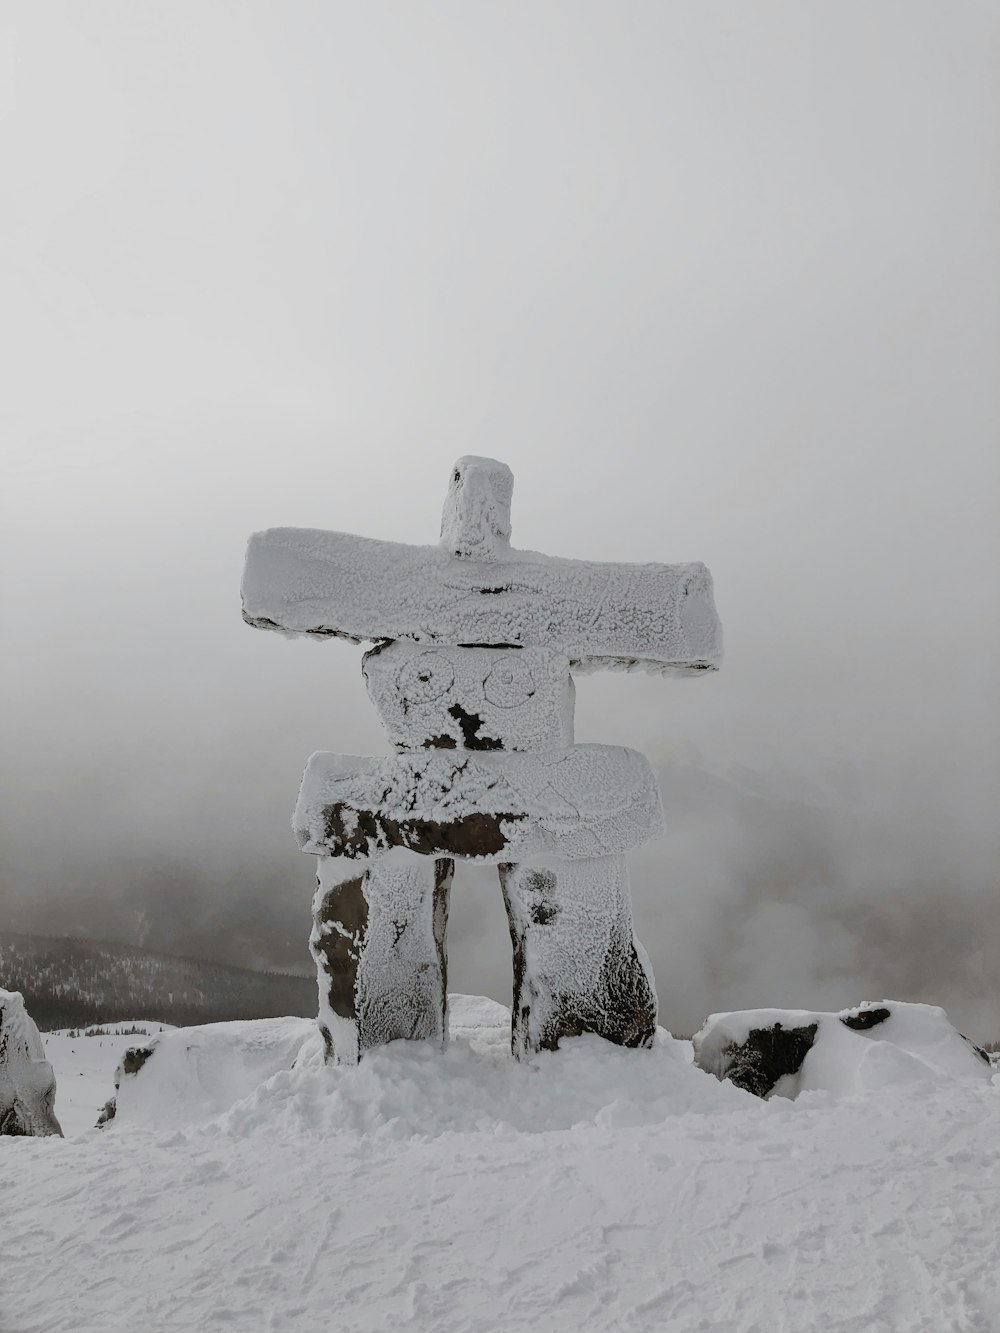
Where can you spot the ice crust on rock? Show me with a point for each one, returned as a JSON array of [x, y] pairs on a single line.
[[587, 801], [378, 941], [471, 698], [784, 1052], [578, 966], [27, 1081], [650, 617], [475, 523]]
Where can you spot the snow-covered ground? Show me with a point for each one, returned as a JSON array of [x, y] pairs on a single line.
[[590, 1189]]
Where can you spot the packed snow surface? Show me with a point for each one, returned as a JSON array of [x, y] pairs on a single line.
[[590, 1188]]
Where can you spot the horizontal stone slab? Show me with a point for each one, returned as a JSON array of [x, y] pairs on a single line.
[[651, 617], [471, 698], [586, 801]]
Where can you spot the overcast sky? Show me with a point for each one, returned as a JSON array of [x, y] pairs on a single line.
[[720, 282]]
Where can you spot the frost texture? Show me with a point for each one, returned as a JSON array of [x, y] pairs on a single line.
[[378, 941], [577, 965], [782, 1052], [27, 1083], [588, 801], [652, 617], [476, 519], [471, 698]]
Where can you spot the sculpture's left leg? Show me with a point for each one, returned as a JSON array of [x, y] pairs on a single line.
[[577, 964], [378, 940]]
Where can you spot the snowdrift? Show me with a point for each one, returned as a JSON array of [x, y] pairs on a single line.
[[269, 1075]]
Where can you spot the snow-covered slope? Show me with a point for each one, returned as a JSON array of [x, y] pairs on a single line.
[[80, 983], [591, 1188]]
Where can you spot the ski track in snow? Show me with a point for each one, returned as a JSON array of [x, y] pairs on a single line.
[[592, 1188]]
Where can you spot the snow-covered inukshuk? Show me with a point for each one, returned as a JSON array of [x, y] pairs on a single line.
[[471, 675]]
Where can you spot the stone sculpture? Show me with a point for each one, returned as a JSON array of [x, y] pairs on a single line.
[[471, 674], [27, 1083]]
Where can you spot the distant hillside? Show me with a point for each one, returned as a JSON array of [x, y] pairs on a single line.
[[73, 983]]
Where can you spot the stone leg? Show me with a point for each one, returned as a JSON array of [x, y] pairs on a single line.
[[378, 939], [577, 964]]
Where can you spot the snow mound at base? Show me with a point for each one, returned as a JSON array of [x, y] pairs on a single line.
[[269, 1077], [878, 1045], [412, 1090], [187, 1076]]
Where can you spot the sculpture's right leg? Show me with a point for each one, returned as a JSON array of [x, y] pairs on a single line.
[[577, 964], [378, 939]]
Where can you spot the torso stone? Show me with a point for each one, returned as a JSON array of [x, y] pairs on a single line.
[[471, 698]]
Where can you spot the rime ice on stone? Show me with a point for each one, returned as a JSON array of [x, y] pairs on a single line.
[[550, 806], [577, 964], [475, 643], [27, 1083], [378, 941], [471, 698], [476, 519]]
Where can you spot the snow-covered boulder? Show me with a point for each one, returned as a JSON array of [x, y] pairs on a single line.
[[188, 1075], [27, 1083], [787, 1051]]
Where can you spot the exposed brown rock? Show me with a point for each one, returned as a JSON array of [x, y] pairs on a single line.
[[340, 922], [351, 832]]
